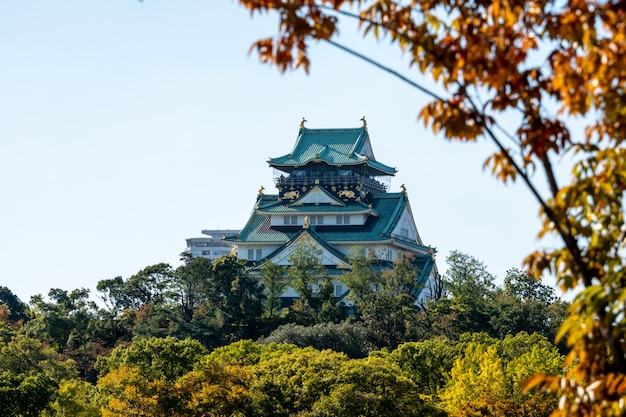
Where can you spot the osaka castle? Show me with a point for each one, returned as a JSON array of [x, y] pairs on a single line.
[[333, 194]]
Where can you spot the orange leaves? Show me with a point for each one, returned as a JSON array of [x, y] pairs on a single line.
[[452, 119], [299, 21], [501, 166]]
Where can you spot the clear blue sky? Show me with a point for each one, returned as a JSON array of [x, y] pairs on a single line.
[[126, 127]]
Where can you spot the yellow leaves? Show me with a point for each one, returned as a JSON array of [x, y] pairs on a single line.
[[127, 393]]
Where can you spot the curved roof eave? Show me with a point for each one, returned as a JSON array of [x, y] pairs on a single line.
[[378, 166]]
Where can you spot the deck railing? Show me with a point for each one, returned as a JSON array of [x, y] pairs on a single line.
[[367, 183]]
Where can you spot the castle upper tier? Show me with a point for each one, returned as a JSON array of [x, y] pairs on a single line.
[[334, 194]]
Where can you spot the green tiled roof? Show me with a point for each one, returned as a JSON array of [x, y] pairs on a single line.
[[333, 146], [271, 205], [388, 206]]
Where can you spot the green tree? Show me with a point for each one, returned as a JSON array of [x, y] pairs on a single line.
[[237, 298], [349, 336], [191, 285], [305, 273], [212, 301], [274, 281], [168, 358], [69, 322], [65, 320], [525, 304], [30, 373], [75, 398], [546, 62], [371, 387], [362, 279], [24, 395], [390, 312], [427, 363], [309, 382], [18, 309], [469, 305]]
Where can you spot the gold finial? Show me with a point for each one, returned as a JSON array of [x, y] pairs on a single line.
[[261, 190], [233, 251], [305, 225], [364, 122], [403, 188], [302, 124]]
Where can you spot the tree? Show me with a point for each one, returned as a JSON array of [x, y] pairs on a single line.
[[215, 389], [18, 310], [362, 279], [305, 272], [477, 376], [167, 358], [469, 304], [426, 362], [65, 319], [307, 382], [274, 282], [350, 337], [488, 374], [24, 395], [543, 62], [75, 399], [525, 304], [307, 275], [237, 298], [140, 379], [391, 313], [192, 284], [30, 373]]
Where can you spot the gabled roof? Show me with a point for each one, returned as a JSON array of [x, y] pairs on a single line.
[[333, 146], [271, 204], [308, 234], [318, 195]]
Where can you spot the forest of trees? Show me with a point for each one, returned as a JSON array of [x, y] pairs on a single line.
[[208, 338]]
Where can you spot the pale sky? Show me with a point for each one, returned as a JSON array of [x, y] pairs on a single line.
[[127, 127]]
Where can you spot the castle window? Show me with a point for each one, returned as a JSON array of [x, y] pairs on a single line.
[[317, 219], [290, 220], [254, 256], [343, 219], [404, 232], [338, 290]]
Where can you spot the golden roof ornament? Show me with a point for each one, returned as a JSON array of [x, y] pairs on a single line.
[[302, 124], [305, 225], [233, 251], [403, 188], [261, 190], [364, 122]]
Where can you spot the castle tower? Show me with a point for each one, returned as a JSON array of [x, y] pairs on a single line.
[[333, 193]]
